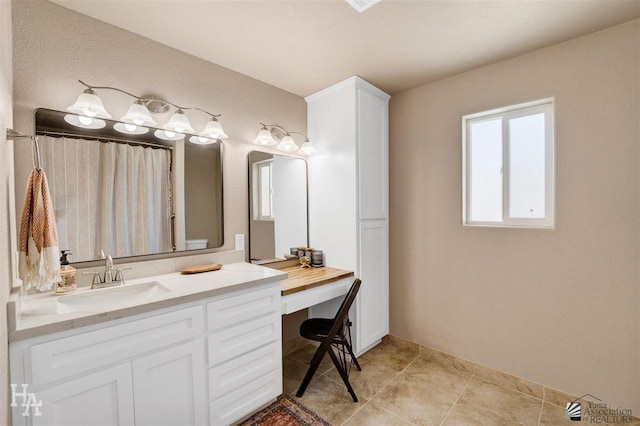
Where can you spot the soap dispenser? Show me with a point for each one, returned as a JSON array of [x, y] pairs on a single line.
[[67, 282]]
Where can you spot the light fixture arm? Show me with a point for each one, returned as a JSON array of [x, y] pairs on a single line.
[[109, 88], [285, 131], [142, 99]]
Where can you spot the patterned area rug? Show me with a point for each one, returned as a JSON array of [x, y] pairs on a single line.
[[285, 412]]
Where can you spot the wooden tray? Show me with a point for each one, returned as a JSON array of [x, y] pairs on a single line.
[[200, 269]]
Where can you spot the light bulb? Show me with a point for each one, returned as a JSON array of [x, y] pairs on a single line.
[[89, 113], [85, 120], [130, 127], [264, 141], [179, 129], [169, 133], [201, 139], [137, 122]]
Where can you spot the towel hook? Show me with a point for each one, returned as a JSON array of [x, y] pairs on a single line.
[[37, 158]]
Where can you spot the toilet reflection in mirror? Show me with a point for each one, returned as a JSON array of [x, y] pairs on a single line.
[[278, 217]]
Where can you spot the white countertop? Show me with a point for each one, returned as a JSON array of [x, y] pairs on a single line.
[[41, 312]]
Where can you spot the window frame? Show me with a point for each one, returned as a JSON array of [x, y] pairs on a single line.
[[258, 195], [547, 106]]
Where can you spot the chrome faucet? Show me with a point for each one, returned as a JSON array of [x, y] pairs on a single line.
[[111, 277], [108, 270]]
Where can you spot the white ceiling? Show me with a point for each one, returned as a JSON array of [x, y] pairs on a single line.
[[306, 45]]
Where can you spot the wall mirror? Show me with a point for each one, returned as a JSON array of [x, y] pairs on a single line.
[[278, 206], [125, 195]]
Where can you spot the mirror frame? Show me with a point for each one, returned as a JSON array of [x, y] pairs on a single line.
[[249, 203], [146, 257]]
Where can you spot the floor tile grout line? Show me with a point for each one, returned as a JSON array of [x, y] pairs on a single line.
[[387, 384], [508, 388], [484, 408], [392, 413], [541, 408], [457, 399], [370, 400], [451, 367]]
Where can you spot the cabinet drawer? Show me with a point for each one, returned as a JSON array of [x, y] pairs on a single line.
[[65, 357], [243, 401], [243, 307], [245, 369], [232, 342]]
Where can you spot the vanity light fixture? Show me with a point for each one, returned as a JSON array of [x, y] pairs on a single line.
[[264, 138], [179, 123], [307, 149], [168, 135], [89, 107], [287, 144], [130, 129], [139, 115], [270, 132], [213, 129], [89, 104], [84, 121]]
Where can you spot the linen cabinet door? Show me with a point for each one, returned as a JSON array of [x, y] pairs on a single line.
[[372, 155], [102, 398], [169, 386], [372, 304]]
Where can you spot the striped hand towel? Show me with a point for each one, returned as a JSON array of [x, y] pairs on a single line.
[[39, 263]]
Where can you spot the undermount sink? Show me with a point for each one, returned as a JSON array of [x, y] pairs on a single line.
[[111, 297]]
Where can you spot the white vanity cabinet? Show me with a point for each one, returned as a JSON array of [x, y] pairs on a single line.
[[212, 361], [349, 197], [104, 397]]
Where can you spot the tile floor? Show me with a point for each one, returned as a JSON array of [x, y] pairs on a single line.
[[398, 387]]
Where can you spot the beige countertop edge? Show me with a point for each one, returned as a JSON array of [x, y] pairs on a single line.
[[100, 317]]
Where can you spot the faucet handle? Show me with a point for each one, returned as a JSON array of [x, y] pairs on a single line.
[[119, 276], [96, 277]]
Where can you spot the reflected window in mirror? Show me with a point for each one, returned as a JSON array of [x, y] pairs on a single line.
[[263, 190], [278, 218]]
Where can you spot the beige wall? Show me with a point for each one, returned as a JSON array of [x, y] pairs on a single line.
[[54, 46], [6, 194], [6, 179], [559, 307]]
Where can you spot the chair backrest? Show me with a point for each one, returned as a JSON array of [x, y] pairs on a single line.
[[343, 312]]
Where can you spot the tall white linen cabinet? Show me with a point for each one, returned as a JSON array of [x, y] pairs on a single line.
[[348, 124]]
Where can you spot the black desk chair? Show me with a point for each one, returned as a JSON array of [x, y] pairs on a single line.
[[331, 333]]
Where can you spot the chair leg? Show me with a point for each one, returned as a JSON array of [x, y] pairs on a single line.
[[343, 374], [313, 367], [353, 356], [348, 343]]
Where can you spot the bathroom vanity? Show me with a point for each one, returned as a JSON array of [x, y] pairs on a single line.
[[180, 349]]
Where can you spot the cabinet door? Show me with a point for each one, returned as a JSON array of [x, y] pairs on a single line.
[[372, 317], [169, 386], [103, 398], [373, 156]]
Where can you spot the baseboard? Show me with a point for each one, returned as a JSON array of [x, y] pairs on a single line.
[[542, 392]]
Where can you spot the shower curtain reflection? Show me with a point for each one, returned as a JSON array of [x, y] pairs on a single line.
[[110, 197]]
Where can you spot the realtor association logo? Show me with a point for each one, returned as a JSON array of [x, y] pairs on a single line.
[[596, 411], [573, 411]]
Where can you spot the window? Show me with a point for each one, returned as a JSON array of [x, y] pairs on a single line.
[[263, 196], [508, 166]]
